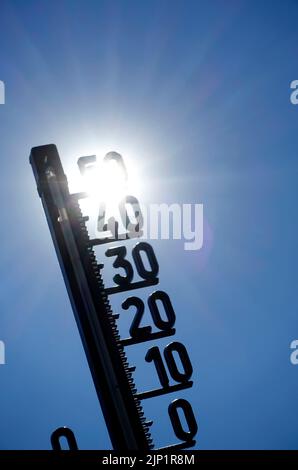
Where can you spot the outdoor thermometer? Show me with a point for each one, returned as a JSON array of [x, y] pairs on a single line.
[[112, 375]]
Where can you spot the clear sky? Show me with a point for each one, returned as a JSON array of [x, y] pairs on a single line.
[[196, 95]]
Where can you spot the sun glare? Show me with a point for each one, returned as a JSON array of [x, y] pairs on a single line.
[[105, 181]]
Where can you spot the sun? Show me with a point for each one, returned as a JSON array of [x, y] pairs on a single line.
[[105, 180]]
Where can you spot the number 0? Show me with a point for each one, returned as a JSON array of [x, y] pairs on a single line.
[[185, 406]]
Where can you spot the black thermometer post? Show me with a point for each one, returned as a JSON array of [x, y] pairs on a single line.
[[105, 350]]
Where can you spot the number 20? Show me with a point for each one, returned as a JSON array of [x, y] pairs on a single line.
[[162, 324]]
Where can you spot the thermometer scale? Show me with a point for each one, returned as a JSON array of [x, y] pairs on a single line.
[[120, 401]]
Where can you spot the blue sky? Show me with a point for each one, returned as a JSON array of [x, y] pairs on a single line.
[[197, 95]]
